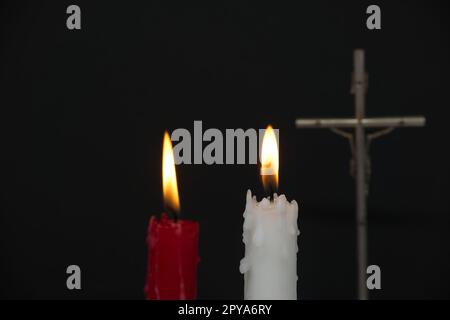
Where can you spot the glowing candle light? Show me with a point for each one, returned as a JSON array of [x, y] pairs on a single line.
[[172, 243], [270, 235]]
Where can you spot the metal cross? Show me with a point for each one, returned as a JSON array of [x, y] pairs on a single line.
[[360, 163]]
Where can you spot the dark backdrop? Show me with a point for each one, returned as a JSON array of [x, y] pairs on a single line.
[[83, 113]]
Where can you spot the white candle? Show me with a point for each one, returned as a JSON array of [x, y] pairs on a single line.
[[270, 236]]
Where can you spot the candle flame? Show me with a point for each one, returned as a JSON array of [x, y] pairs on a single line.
[[269, 159], [169, 176]]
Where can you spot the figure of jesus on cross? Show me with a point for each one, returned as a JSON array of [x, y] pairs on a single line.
[[360, 143]]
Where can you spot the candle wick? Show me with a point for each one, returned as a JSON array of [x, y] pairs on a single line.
[[171, 213], [269, 186], [271, 192]]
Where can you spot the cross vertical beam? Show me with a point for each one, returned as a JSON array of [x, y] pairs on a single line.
[[359, 88]]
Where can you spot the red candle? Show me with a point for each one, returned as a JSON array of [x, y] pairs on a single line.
[[172, 244], [172, 259]]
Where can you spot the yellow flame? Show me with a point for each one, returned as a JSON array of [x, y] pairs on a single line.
[[269, 159], [169, 176]]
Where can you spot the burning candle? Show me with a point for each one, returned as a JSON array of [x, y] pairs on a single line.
[[270, 235], [172, 243]]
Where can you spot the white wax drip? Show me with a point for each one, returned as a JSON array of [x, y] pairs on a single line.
[[270, 237]]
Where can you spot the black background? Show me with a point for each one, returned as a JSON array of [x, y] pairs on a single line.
[[83, 114]]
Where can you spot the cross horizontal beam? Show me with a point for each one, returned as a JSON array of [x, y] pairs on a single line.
[[416, 121]]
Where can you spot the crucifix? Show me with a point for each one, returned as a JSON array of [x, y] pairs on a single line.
[[360, 162]]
